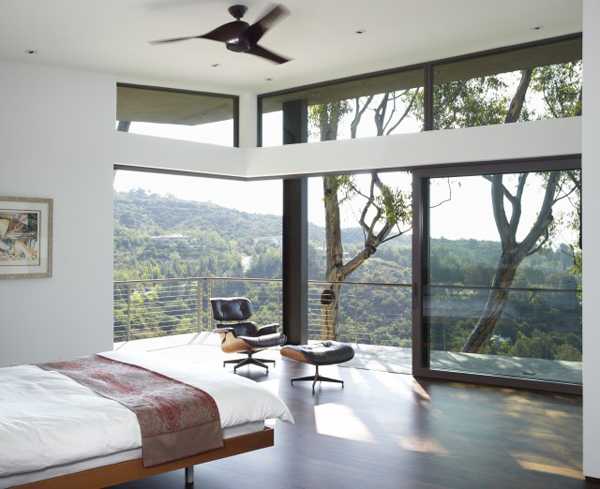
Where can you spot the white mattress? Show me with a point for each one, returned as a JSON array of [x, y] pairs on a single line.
[[48, 420], [115, 458]]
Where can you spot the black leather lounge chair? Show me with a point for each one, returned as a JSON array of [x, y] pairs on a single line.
[[239, 335]]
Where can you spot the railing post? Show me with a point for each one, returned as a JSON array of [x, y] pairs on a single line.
[[128, 312], [199, 305], [208, 296]]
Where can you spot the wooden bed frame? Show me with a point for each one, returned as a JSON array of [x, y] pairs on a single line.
[[130, 470]]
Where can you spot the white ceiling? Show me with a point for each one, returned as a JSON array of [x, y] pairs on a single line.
[[112, 36]]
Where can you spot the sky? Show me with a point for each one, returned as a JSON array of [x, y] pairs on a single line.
[[468, 215]]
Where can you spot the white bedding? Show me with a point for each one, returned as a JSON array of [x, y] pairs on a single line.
[[47, 419], [115, 458]]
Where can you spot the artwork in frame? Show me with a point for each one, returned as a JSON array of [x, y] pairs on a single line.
[[25, 237]]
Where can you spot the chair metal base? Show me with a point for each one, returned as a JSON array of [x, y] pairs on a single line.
[[189, 476], [249, 360], [316, 378]]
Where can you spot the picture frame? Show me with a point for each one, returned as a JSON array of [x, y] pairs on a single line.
[[25, 237]]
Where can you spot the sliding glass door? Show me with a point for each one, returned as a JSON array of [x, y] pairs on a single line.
[[498, 287]]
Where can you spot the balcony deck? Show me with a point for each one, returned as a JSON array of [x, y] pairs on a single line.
[[204, 347]]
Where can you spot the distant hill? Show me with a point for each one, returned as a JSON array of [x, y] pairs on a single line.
[[167, 236], [159, 215]]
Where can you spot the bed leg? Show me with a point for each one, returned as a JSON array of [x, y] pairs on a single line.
[[189, 475]]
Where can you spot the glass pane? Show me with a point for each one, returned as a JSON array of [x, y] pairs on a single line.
[[185, 115], [371, 305], [541, 82], [179, 240], [504, 285], [373, 106]]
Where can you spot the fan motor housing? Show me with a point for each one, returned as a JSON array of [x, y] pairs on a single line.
[[237, 11], [240, 45]]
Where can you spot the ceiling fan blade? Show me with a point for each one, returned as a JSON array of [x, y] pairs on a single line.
[[258, 29], [226, 32], [270, 55], [175, 39]]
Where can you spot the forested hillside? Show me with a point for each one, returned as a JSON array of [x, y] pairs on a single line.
[[164, 237]]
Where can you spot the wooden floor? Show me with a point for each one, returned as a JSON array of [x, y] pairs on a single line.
[[387, 430]]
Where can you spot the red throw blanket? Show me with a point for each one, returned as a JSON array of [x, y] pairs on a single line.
[[176, 420]]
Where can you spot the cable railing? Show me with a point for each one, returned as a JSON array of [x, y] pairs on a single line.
[[369, 313], [150, 308], [363, 312]]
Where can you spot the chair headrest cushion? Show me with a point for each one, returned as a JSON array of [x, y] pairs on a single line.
[[231, 308]]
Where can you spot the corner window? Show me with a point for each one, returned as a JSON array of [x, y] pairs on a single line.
[[178, 114]]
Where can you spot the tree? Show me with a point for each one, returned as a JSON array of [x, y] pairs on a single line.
[[513, 251], [384, 210]]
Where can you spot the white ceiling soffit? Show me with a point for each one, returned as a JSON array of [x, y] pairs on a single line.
[[112, 36]]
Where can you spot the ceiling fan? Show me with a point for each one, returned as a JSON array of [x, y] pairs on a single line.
[[241, 37]]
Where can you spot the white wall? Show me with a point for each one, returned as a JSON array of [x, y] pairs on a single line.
[[591, 238], [56, 131], [507, 141], [248, 120], [170, 154]]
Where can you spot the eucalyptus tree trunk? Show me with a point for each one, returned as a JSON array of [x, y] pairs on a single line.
[[513, 253], [328, 127], [495, 303], [330, 310]]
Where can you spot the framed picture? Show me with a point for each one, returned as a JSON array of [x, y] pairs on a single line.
[[25, 237]]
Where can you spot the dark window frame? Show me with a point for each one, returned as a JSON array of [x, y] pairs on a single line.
[[427, 67], [235, 99], [421, 176]]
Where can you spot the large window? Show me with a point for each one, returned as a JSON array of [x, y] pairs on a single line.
[[501, 255], [515, 84], [179, 240], [178, 114], [366, 107], [540, 82]]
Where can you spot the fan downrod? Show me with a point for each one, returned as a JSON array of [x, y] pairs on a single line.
[[237, 11]]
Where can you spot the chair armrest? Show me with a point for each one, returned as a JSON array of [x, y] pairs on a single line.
[[224, 330], [268, 329]]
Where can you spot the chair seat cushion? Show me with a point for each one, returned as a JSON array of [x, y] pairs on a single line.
[[265, 341], [323, 353]]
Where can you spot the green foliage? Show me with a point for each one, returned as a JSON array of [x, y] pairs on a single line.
[[396, 205], [476, 102], [560, 86], [326, 117]]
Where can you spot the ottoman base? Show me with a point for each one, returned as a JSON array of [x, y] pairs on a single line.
[[316, 378]]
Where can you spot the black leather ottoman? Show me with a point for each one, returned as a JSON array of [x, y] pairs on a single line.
[[324, 353]]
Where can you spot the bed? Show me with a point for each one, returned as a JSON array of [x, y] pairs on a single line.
[[56, 433]]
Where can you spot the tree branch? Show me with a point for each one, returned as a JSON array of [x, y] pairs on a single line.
[[358, 113], [515, 217], [498, 191], [406, 112], [544, 218], [445, 200]]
